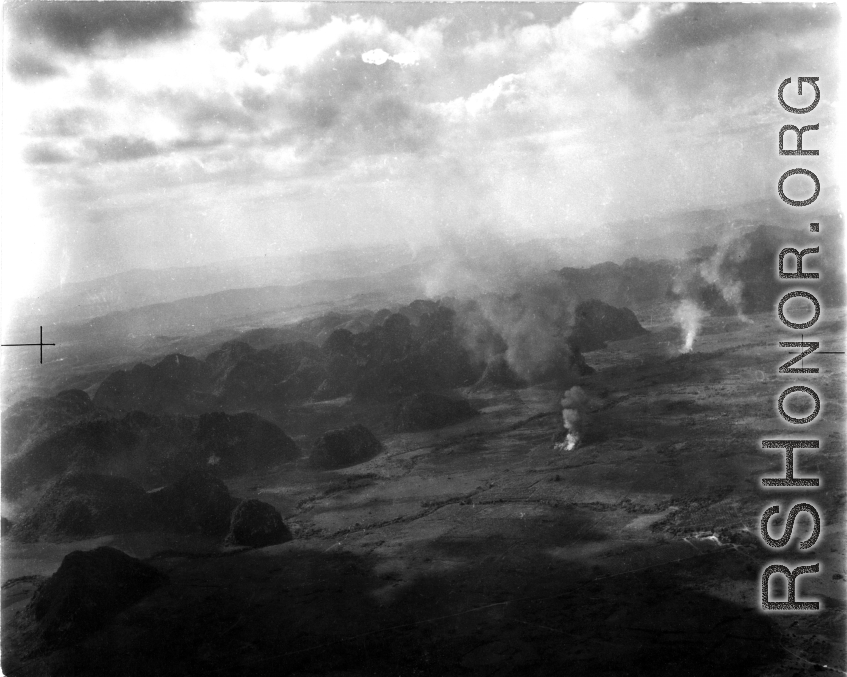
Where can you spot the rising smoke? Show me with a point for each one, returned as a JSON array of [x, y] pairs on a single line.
[[576, 405], [528, 327], [711, 284], [689, 316], [719, 271], [508, 306]]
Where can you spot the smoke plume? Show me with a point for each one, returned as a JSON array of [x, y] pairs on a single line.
[[509, 305], [529, 326], [713, 281], [719, 270], [576, 405], [689, 316]]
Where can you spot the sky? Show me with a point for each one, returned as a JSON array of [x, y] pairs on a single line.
[[151, 135]]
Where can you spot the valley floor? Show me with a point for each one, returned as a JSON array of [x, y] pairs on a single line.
[[481, 549]]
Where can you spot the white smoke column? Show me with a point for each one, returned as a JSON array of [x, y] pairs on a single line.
[[533, 321], [716, 270], [509, 303], [575, 405], [689, 317]]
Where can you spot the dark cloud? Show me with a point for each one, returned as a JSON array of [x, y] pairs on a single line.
[[723, 53], [207, 113], [27, 66], [337, 108], [45, 154], [262, 21], [122, 148], [103, 86], [197, 142], [367, 126], [79, 26], [116, 148], [344, 106], [67, 122], [256, 100], [703, 24]]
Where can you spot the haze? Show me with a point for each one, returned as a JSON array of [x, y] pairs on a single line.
[[154, 135]]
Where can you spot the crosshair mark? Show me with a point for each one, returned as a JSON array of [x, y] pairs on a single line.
[[40, 345]]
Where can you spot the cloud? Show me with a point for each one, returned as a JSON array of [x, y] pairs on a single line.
[[122, 148], [67, 122], [462, 23], [305, 88], [337, 106], [697, 25], [531, 119], [30, 67], [79, 26], [205, 113], [236, 23], [45, 154], [378, 57], [501, 90]]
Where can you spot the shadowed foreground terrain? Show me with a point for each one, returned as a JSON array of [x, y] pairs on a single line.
[[480, 549]]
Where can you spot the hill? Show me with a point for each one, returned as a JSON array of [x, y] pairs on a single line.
[[151, 450], [423, 346]]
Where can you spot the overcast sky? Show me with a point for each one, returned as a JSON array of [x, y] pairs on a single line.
[[168, 134]]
